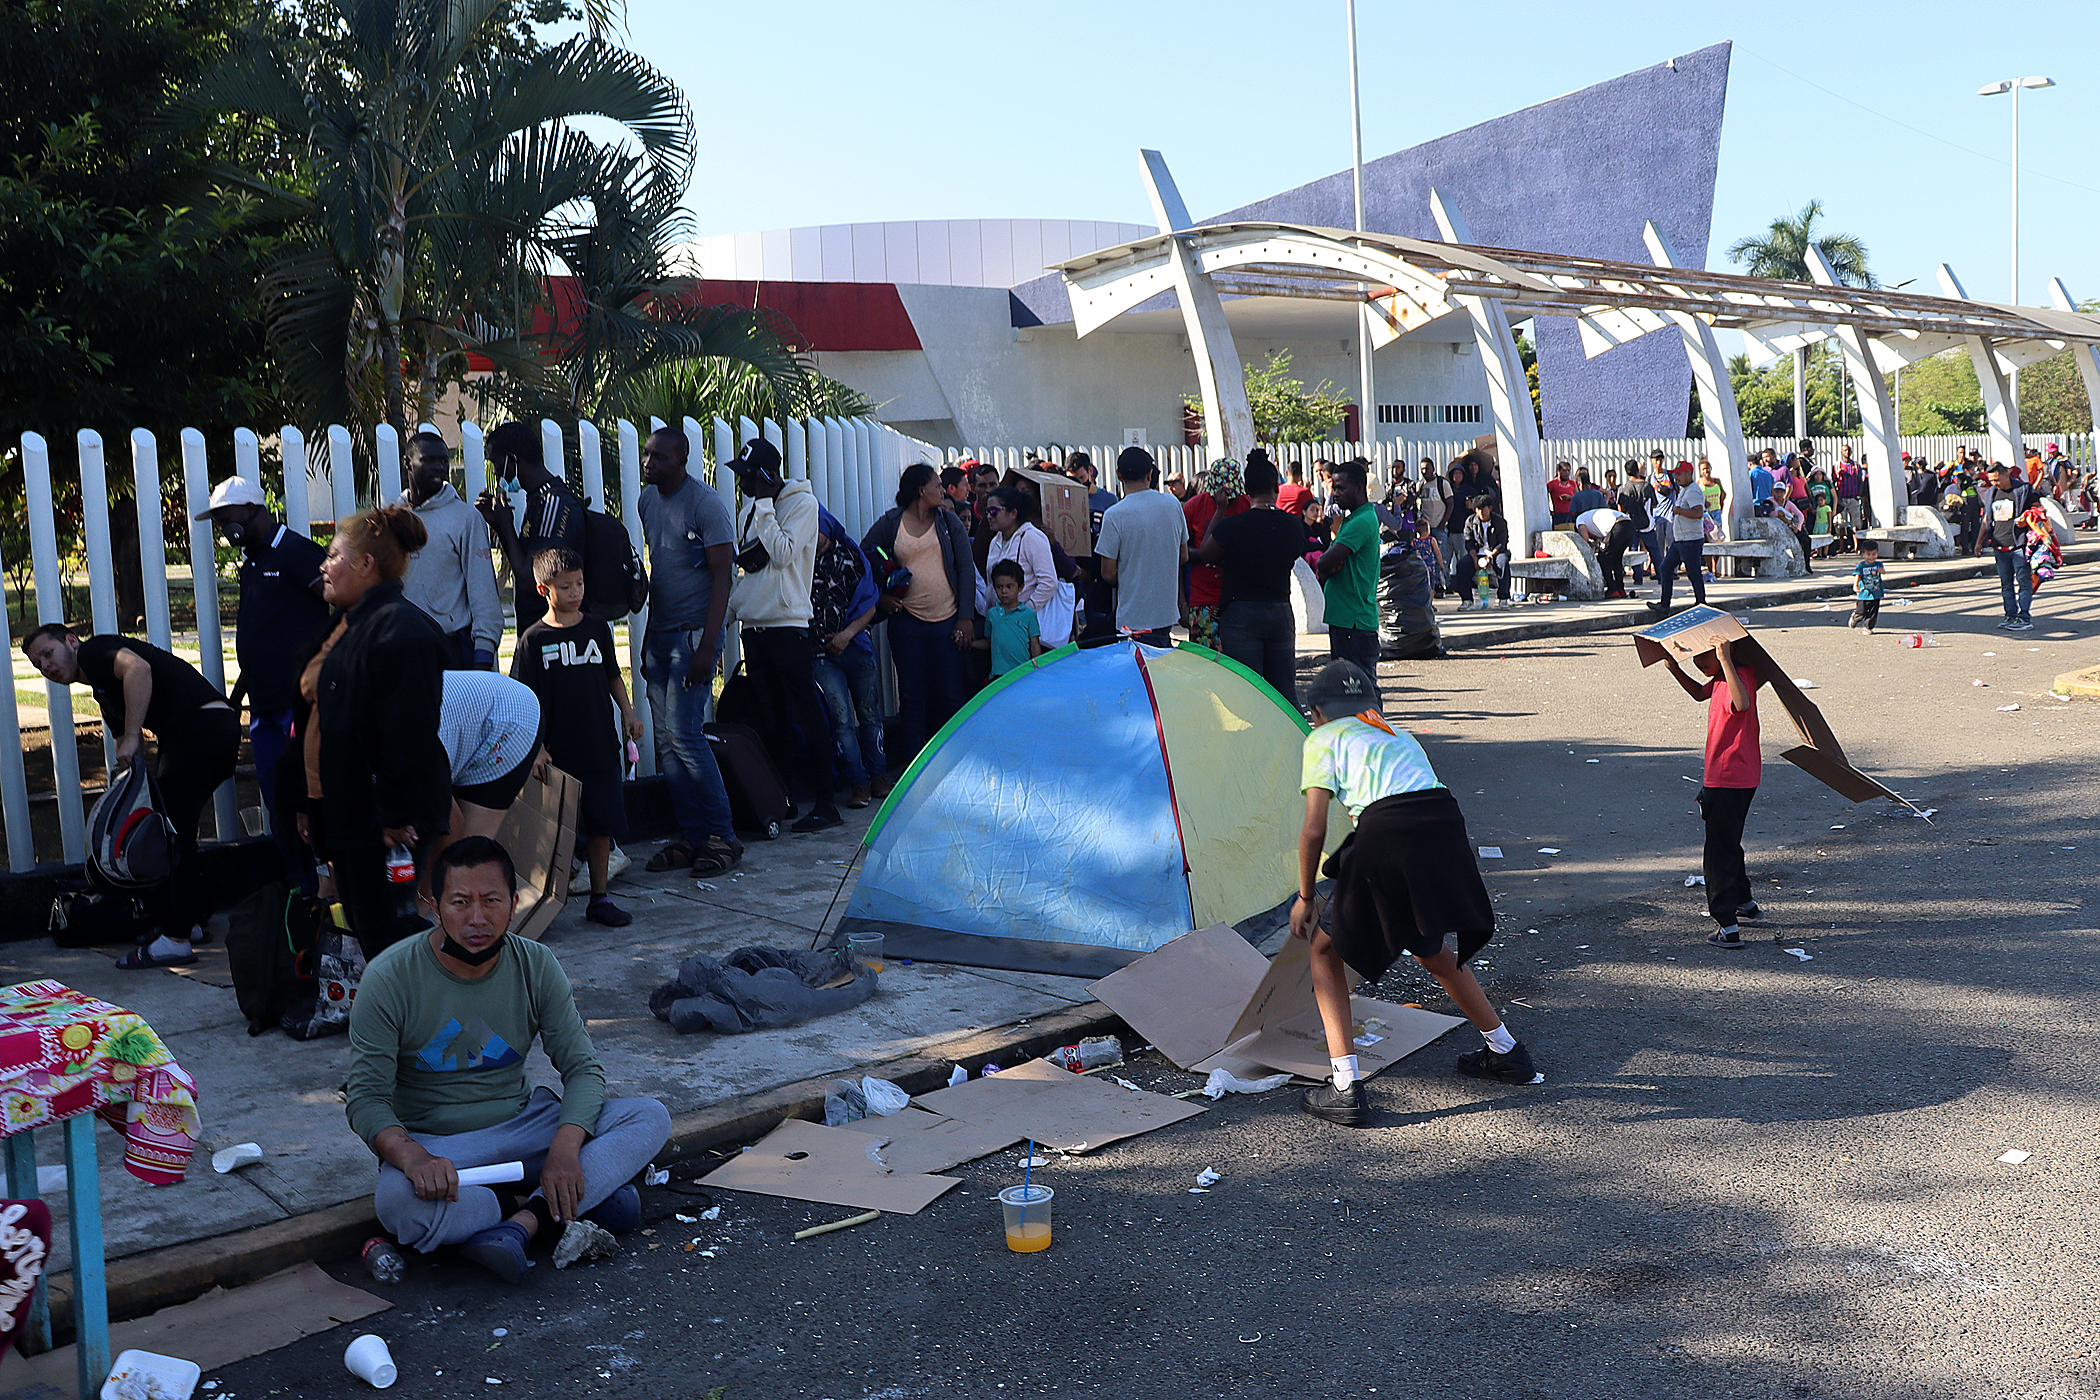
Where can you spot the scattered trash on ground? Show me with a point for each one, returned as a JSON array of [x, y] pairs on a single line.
[[1491, 853], [1098, 1052], [957, 1075], [655, 1175], [230, 1159], [2007, 709], [1691, 880], [1208, 1177], [147, 1375], [1593, 760], [1803, 683], [369, 1360], [1549, 850], [2015, 1157], [849, 1222], [1223, 1082], [1801, 953]]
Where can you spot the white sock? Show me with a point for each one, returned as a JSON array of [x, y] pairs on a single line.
[[166, 947], [1500, 1040], [1345, 1071], [1732, 931]]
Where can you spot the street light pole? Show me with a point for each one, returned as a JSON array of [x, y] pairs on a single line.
[[1367, 387], [2013, 86]]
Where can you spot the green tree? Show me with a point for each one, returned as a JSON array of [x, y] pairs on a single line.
[[707, 388], [1782, 254], [1284, 409], [127, 269], [436, 155]]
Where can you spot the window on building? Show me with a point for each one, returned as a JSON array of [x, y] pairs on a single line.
[[1459, 413], [1428, 413]]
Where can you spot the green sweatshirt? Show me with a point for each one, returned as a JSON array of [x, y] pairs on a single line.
[[437, 1053]]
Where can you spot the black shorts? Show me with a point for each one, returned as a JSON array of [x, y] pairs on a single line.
[[602, 810], [1867, 610], [1406, 881], [499, 792]]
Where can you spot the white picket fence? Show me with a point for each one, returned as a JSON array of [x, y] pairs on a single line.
[[852, 464]]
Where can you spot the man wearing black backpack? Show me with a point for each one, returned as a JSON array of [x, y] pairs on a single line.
[[554, 515]]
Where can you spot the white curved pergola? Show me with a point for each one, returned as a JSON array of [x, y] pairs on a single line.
[[1409, 282]]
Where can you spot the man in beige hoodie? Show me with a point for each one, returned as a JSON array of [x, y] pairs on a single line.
[[776, 541]]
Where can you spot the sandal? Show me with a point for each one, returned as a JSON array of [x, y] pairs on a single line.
[[718, 857], [671, 857], [141, 960]]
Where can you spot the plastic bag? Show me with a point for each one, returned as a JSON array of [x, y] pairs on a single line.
[[881, 1098], [1222, 1083], [844, 1103]]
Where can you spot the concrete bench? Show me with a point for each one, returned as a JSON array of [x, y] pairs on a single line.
[[1902, 541], [1560, 572], [1733, 552]]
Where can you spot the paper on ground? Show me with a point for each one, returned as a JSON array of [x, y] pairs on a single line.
[[218, 1329], [2015, 1157], [1491, 853], [1222, 1083], [1802, 953]]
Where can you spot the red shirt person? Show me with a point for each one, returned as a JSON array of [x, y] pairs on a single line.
[[1560, 492], [1734, 766]]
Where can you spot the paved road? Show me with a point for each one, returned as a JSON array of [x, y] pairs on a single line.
[[1748, 1175]]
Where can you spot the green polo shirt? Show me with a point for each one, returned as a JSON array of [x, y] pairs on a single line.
[[1352, 594]]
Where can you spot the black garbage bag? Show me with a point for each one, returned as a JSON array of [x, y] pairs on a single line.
[[1407, 628], [757, 989]]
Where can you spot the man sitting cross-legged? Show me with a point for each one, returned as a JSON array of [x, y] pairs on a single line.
[[439, 1034]]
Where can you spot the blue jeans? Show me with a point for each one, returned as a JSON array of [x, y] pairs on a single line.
[[2015, 583], [1691, 554], [853, 703], [679, 714]]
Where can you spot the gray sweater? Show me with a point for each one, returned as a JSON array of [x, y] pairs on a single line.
[[452, 578]]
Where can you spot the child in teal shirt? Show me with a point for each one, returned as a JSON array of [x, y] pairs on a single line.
[[1010, 628], [1867, 588]]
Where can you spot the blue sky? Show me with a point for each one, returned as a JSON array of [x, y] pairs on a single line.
[[821, 112]]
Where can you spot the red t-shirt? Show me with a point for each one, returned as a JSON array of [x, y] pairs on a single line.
[[1732, 756], [1562, 495], [1206, 580], [1291, 496]]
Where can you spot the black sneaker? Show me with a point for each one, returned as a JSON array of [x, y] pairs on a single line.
[[818, 820], [1730, 938], [1749, 911], [1513, 1068], [1344, 1106], [601, 910]]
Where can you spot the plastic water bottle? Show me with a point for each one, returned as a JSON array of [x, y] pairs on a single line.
[[382, 1261], [1088, 1054]]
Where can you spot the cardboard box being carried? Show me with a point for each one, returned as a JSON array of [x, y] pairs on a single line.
[[1065, 515], [1208, 999], [539, 831], [1689, 635]]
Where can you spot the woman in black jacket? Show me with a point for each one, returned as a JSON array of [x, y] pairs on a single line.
[[380, 767], [933, 620]]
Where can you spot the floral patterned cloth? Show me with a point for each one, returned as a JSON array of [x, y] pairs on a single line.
[[64, 1053]]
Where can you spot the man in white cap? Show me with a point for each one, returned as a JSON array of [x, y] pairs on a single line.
[[280, 611]]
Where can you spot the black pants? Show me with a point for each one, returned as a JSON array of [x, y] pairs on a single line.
[[380, 912], [1263, 637], [1727, 882], [1611, 556], [783, 670], [194, 757], [1691, 554], [1358, 644]]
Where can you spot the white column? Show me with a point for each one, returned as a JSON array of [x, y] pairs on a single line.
[[2001, 416], [153, 544], [204, 589], [2083, 352], [1523, 465], [51, 607], [1724, 424], [1885, 492], [342, 471], [1228, 424], [386, 464]]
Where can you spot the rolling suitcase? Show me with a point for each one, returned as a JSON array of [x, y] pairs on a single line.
[[758, 799]]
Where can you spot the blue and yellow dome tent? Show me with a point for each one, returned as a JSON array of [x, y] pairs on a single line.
[[1085, 809]]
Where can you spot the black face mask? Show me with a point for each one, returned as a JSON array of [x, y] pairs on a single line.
[[451, 949]]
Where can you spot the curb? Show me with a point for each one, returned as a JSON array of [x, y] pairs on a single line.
[[1807, 590], [160, 1278]]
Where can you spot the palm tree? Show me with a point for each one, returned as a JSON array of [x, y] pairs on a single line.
[[1782, 255], [432, 165]]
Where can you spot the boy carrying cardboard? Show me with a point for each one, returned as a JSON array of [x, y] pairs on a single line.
[[1405, 881]]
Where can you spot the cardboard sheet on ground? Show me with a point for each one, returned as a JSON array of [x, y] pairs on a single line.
[[920, 1141], [218, 1329], [1208, 1000], [1059, 1109], [1687, 638], [809, 1162], [539, 831]]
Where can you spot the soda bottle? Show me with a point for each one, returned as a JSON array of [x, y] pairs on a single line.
[[382, 1261], [400, 865], [1088, 1054]]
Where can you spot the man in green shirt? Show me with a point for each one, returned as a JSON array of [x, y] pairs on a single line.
[[1349, 572], [438, 1037]]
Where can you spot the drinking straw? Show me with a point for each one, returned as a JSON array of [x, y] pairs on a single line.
[[1028, 1171]]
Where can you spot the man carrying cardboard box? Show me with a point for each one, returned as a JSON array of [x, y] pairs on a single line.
[[1405, 882]]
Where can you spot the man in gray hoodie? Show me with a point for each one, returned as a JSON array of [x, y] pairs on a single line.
[[451, 578], [777, 556]]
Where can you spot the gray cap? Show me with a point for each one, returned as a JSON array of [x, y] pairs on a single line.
[[1341, 688]]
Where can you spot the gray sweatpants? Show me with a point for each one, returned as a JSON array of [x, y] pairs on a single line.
[[629, 1133]]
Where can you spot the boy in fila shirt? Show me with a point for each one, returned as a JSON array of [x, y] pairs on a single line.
[[568, 659]]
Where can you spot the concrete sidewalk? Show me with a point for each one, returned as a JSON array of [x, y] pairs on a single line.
[[285, 1095]]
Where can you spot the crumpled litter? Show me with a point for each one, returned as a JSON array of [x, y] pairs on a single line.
[[1802, 953], [656, 1176], [1208, 1177], [1691, 880], [2007, 709], [958, 1075], [1223, 1082]]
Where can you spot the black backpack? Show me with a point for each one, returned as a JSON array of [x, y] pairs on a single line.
[[614, 581], [270, 952]]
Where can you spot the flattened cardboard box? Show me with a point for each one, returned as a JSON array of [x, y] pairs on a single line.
[[805, 1161], [539, 831], [1209, 996], [1687, 637], [1057, 1108]]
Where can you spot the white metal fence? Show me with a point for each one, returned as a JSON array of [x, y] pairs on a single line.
[[852, 464]]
